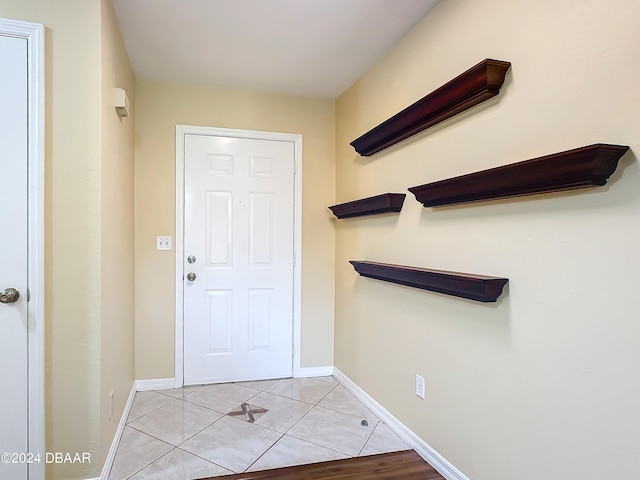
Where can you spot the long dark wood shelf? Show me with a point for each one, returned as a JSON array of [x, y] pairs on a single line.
[[588, 166], [473, 287], [387, 202], [479, 83]]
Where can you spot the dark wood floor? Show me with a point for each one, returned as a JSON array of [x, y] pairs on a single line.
[[387, 466]]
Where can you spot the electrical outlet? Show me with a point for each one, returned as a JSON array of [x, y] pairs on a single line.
[[163, 243], [420, 386]]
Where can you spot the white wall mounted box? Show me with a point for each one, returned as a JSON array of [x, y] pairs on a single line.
[[121, 102]]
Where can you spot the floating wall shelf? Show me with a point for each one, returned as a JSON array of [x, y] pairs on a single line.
[[579, 168], [470, 88], [387, 202], [465, 285]]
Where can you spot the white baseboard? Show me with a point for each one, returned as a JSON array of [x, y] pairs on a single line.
[[305, 372], [155, 384], [437, 461], [108, 462]]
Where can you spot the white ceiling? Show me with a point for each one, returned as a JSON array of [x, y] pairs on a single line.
[[313, 48]]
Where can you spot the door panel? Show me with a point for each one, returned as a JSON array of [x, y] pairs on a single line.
[[259, 317], [260, 231], [220, 324], [13, 252], [239, 210], [219, 228]]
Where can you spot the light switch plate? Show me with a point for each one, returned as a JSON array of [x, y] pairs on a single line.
[[163, 243]]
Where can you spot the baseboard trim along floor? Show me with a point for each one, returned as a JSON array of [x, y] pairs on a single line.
[[309, 372], [108, 462], [446, 469], [155, 384]]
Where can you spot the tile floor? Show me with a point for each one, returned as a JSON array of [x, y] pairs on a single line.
[[212, 430]]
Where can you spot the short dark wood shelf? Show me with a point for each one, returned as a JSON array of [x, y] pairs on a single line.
[[589, 166], [468, 89], [465, 285], [387, 202]]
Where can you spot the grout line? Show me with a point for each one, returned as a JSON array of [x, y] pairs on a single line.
[[202, 429], [143, 433], [314, 405], [360, 417], [161, 456], [287, 398], [152, 436], [327, 394], [369, 437], [263, 453], [198, 387], [374, 417], [274, 380], [299, 420], [181, 443], [289, 434], [320, 446], [302, 401], [202, 458], [150, 411], [205, 406]]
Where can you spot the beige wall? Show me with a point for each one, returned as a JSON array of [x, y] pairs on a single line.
[[159, 108], [117, 235], [543, 383]]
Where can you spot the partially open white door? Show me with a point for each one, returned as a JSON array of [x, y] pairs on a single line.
[[238, 258], [21, 250], [13, 255]]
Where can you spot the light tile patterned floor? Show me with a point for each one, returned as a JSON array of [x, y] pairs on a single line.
[[213, 430]]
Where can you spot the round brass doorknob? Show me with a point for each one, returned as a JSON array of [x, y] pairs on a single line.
[[191, 276], [9, 295]]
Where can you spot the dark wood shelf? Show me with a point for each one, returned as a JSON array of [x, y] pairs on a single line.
[[387, 202], [583, 167], [465, 285], [468, 89]]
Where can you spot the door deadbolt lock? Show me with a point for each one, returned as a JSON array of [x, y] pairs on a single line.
[[9, 295], [191, 259], [191, 276]]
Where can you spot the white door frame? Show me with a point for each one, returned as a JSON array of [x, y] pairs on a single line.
[[181, 131], [34, 34]]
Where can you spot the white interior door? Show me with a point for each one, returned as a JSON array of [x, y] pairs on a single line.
[[239, 245], [13, 255]]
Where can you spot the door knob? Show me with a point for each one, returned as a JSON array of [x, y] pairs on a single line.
[[191, 276], [9, 295]]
